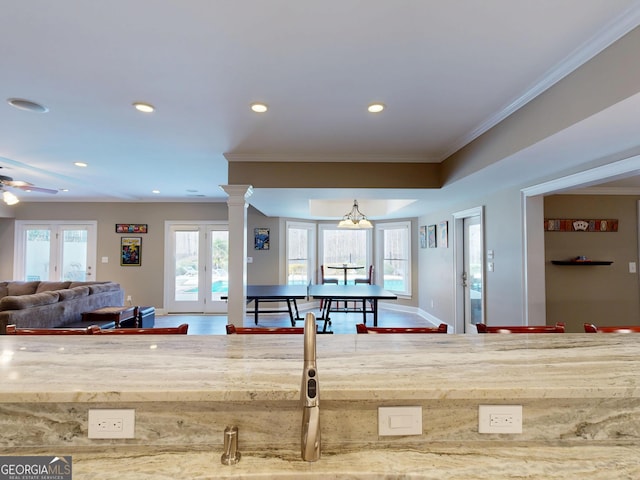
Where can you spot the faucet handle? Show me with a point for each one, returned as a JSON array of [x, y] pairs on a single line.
[[231, 455]]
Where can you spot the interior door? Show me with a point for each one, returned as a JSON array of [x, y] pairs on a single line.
[[472, 275], [55, 252], [198, 268]]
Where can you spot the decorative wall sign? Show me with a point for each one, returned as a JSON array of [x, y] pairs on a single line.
[[131, 228], [261, 238], [130, 251], [580, 225], [443, 235], [423, 236], [431, 236]]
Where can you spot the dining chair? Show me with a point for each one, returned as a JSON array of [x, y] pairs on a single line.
[[591, 328], [324, 280], [362, 328], [180, 329], [232, 330], [557, 328], [367, 280], [13, 330]]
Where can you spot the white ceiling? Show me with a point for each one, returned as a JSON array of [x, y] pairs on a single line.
[[446, 70]]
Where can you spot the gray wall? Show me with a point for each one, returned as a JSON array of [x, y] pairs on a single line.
[[503, 287]]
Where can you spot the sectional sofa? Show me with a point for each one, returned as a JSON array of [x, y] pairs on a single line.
[[53, 304]]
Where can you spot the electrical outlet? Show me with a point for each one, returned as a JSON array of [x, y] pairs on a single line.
[[500, 419], [128, 298], [105, 423]]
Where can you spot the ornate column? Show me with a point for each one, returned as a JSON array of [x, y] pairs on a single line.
[[237, 203]]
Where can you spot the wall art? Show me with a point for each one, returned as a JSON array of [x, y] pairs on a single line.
[[580, 225], [130, 251], [261, 238], [131, 228]]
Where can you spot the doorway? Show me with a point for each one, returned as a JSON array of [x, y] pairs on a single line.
[[197, 266], [469, 269]]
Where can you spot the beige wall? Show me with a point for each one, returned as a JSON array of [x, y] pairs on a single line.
[[603, 295], [145, 284]]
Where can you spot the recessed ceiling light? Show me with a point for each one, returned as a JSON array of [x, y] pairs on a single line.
[[375, 107], [80, 164], [155, 191], [27, 105], [144, 107], [259, 107], [64, 189]]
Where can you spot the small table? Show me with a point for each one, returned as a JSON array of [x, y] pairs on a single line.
[[345, 267], [117, 315]]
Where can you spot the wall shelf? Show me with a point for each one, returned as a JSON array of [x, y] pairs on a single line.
[[581, 263]]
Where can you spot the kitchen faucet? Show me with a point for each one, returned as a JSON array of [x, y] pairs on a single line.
[[310, 394]]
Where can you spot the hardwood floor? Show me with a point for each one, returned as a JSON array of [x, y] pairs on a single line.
[[341, 322]]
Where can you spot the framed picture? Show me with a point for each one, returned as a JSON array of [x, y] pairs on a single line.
[[131, 228], [443, 235], [423, 236], [431, 236], [130, 251], [261, 238]]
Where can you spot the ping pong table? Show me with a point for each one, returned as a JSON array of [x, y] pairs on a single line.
[[367, 294], [275, 293]]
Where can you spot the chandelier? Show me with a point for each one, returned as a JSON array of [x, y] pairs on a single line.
[[355, 219]]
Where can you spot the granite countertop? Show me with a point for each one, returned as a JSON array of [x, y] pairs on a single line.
[[268, 367], [440, 369], [439, 462]]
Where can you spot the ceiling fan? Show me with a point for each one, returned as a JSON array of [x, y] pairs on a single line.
[[9, 198]]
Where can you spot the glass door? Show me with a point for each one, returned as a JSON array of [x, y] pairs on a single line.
[[472, 276], [198, 268], [55, 252]]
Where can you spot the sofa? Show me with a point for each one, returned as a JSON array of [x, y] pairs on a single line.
[[42, 304]]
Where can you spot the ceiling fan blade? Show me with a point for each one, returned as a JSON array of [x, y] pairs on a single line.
[[31, 188]]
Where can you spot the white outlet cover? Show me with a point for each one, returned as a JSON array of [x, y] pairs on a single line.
[[399, 421], [97, 418], [511, 412]]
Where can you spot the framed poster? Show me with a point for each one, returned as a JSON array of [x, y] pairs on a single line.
[[431, 236], [130, 251], [443, 235], [261, 238], [423, 236], [131, 228]]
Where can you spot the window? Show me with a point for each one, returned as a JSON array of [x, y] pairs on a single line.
[[300, 253], [340, 246], [394, 256]]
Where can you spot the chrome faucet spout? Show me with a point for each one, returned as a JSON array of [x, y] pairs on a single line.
[[310, 394]]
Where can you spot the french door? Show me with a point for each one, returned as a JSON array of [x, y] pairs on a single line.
[[55, 251], [197, 263]]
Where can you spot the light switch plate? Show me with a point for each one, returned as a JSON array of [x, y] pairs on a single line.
[[399, 421]]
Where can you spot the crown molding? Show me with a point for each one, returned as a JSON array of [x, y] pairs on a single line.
[[320, 158], [604, 191], [609, 34]]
